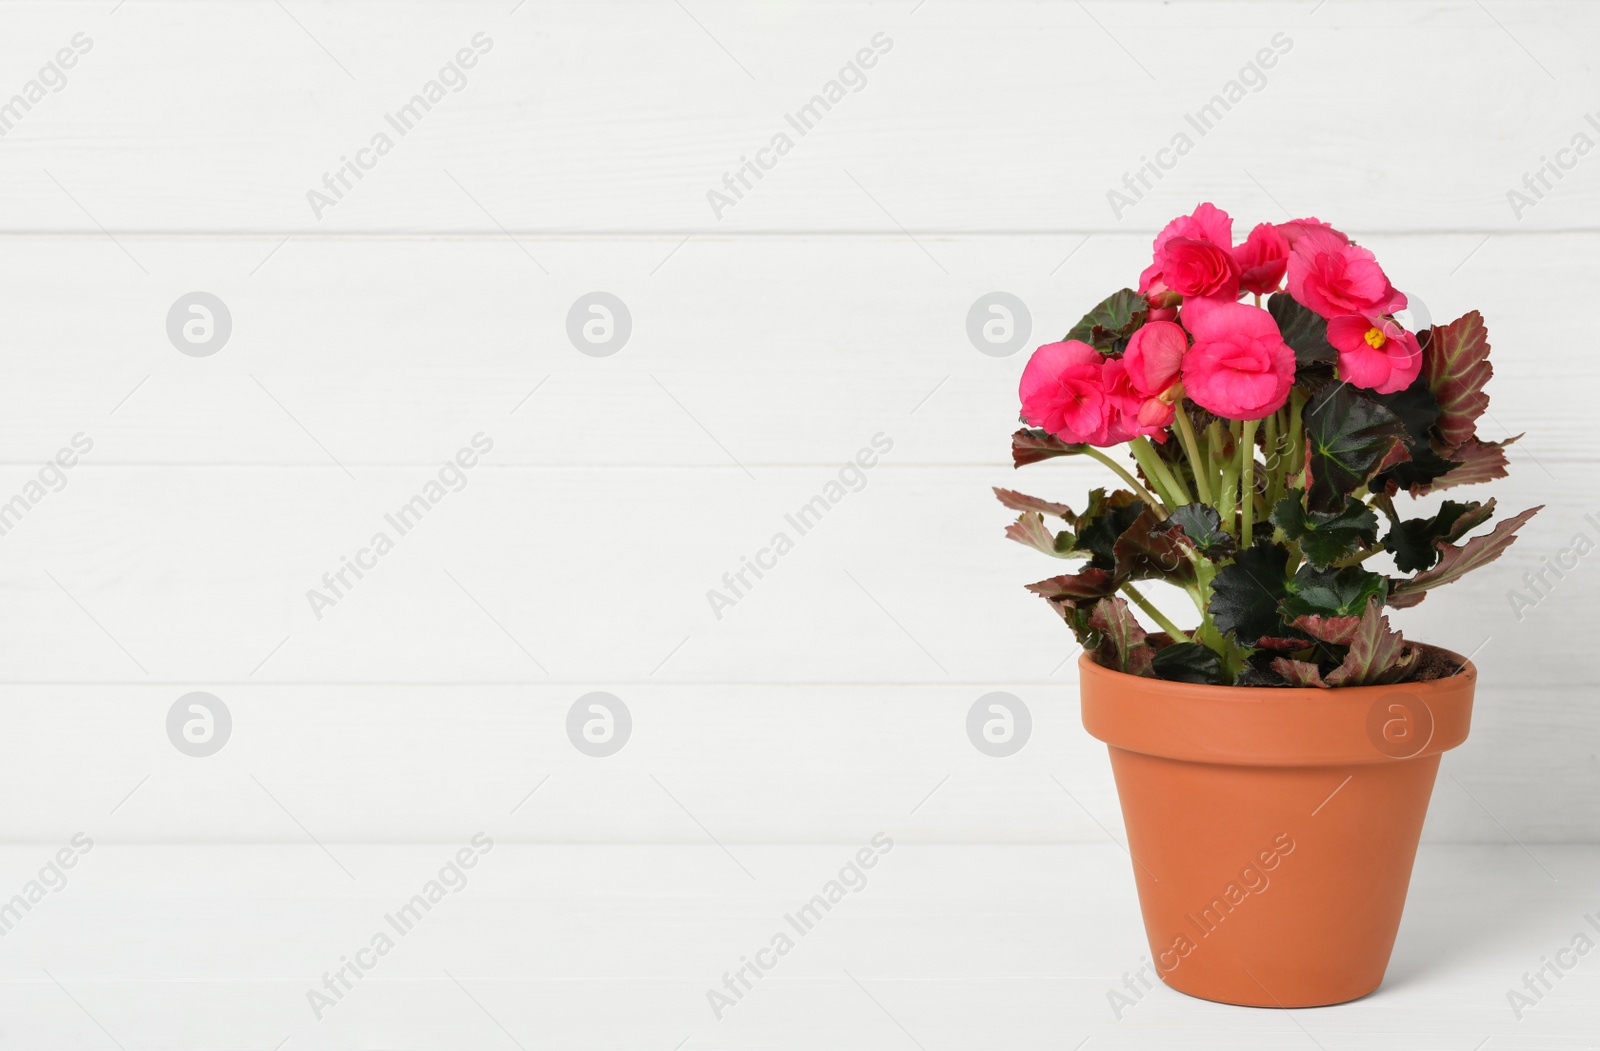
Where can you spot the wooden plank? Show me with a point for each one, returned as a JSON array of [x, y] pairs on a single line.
[[206, 117], [751, 764], [574, 575], [792, 350]]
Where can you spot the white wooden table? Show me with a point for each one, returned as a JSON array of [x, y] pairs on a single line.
[[944, 947]]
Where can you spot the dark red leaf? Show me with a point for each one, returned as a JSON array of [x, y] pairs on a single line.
[[1086, 583], [1337, 631], [1023, 502], [1029, 529], [1031, 445], [1455, 363], [1455, 561], [1299, 673], [1376, 654], [1479, 461], [1122, 638]]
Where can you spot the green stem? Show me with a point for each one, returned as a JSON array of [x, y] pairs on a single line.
[[1159, 480], [1155, 614], [1227, 501], [1170, 472], [1274, 462], [1359, 557], [1152, 460], [1296, 432], [1138, 490], [1213, 443], [1206, 633], [1247, 478], [1191, 446]]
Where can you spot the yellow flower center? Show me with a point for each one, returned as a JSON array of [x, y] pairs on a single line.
[[1375, 338]]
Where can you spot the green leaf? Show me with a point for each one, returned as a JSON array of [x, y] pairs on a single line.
[[1304, 331], [1414, 543], [1106, 519], [1200, 526], [1031, 445], [1325, 537], [1187, 662], [1254, 677], [1245, 594], [1455, 364], [1418, 409], [1351, 439], [1456, 562], [1113, 319], [1376, 655], [1023, 502], [1332, 592], [1122, 639]]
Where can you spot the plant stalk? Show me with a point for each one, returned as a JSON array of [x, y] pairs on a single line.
[[1227, 502], [1359, 557], [1247, 477], [1158, 474], [1297, 432], [1155, 614], [1273, 463], [1140, 491], [1191, 446]]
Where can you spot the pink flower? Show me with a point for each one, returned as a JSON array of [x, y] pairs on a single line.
[[1193, 257], [1208, 223], [1199, 268], [1154, 412], [1132, 413], [1062, 391], [1079, 396], [1239, 367], [1262, 259], [1154, 355], [1333, 277], [1375, 353], [1292, 229]]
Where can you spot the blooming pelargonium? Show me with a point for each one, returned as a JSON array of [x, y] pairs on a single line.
[[1263, 258], [1239, 367], [1155, 355], [1375, 353], [1194, 257], [1332, 277], [1270, 439], [1062, 392], [1134, 413], [1292, 229], [1080, 396]]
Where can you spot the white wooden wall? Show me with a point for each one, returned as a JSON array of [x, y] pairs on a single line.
[[769, 344]]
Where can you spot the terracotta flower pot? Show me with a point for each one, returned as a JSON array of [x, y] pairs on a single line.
[[1273, 830]]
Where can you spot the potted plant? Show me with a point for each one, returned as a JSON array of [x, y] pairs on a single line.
[[1274, 761]]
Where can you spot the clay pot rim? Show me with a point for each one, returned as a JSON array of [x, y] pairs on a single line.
[[1267, 726], [1466, 674]]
